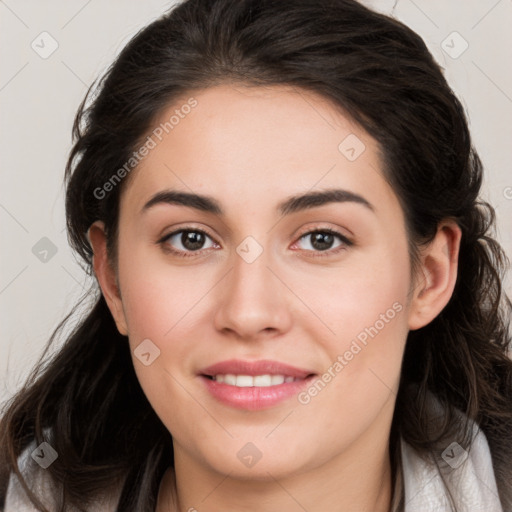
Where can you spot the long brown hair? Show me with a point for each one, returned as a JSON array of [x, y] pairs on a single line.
[[381, 73]]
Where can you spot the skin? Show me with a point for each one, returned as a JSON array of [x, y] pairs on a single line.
[[251, 148]]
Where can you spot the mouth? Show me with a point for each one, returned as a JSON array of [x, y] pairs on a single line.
[[254, 385], [258, 381]]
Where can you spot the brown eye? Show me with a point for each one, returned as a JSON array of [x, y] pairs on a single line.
[[324, 240], [192, 240], [186, 240]]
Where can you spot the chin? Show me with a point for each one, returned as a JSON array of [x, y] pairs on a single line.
[[264, 469]]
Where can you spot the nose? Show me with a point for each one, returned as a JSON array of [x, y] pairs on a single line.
[[254, 302]]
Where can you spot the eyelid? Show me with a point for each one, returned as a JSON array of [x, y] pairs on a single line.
[[186, 227], [324, 228]]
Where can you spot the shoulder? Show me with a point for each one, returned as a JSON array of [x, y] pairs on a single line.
[[40, 483], [455, 477], [35, 477]]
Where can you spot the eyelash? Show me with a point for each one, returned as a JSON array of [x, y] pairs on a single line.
[[329, 252]]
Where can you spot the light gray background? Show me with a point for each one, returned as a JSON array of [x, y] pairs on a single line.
[[38, 99]]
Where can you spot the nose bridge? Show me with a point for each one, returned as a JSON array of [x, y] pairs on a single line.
[[250, 269], [253, 299], [251, 277]]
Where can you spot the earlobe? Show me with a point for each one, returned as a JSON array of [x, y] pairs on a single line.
[[438, 275], [106, 275]]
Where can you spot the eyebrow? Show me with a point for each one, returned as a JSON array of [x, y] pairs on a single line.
[[292, 204]]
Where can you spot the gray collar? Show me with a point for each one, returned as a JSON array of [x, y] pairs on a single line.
[[455, 480]]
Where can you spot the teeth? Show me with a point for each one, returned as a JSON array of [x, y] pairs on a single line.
[[245, 381], [277, 379]]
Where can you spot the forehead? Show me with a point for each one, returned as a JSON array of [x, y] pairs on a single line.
[[253, 145]]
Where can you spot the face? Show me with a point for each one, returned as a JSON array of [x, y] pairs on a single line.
[[321, 287]]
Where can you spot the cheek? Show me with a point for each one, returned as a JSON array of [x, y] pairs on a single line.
[[364, 298], [162, 303], [150, 307], [157, 296], [372, 307], [368, 313], [159, 304]]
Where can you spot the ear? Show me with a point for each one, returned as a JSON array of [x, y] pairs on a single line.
[[437, 275], [106, 275]]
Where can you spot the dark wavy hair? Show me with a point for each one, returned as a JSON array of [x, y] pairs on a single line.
[[379, 72]]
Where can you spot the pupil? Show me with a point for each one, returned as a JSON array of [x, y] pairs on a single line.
[[322, 241], [192, 240]]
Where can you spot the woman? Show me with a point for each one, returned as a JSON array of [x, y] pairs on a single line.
[[299, 301]]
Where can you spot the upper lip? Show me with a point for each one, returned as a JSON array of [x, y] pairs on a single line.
[[262, 367]]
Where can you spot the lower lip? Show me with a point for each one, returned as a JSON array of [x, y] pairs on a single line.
[[254, 398]]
